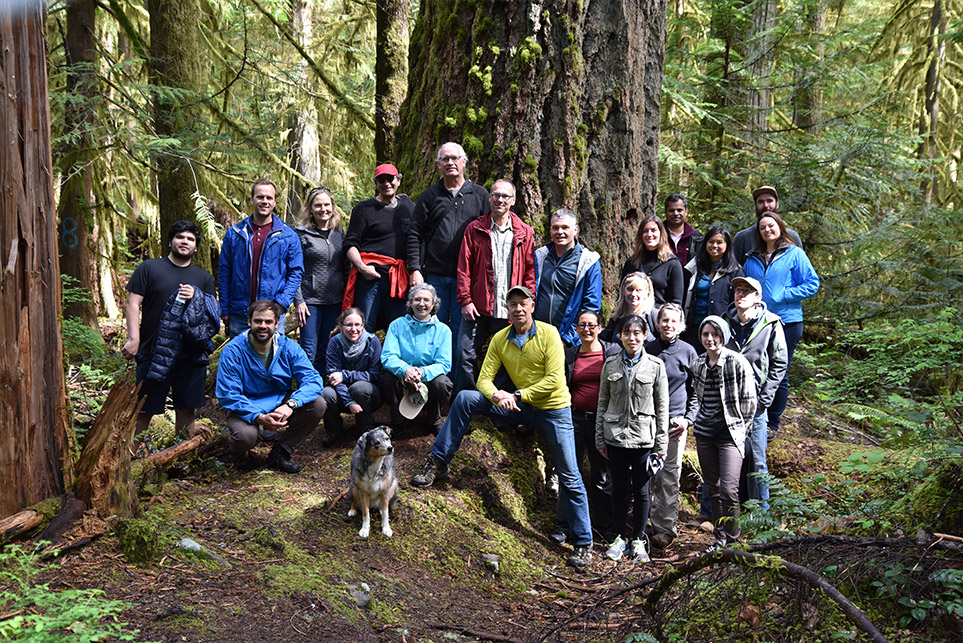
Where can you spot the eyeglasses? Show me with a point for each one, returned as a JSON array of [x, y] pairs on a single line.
[[385, 178], [502, 197], [744, 291], [584, 326], [449, 159], [352, 325]]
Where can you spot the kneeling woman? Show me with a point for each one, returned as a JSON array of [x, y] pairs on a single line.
[[721, 414], [632, 423], [352, 375]]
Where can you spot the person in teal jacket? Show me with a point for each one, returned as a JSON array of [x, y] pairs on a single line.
[[787, 277], [255, 375], [417, 350]]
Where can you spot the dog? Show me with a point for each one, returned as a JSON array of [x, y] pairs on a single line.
[[374, 484]]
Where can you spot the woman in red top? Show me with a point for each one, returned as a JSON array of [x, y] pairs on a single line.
[[583, 368]]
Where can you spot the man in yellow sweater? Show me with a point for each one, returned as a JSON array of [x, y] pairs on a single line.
[[533, 355]]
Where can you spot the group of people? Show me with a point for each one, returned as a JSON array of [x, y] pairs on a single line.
[[701, 337]]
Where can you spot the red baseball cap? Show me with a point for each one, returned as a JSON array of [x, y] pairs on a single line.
[[386, 168]]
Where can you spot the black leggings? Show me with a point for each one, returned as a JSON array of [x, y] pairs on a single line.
[[623, 464]]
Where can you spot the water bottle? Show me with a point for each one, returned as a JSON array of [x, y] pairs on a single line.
[[178, 308]]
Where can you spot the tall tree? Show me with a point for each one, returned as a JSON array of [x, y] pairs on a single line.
[[175, 48], [562, 98], [303, 134], [391, 73], [76, 191], [34, 448]]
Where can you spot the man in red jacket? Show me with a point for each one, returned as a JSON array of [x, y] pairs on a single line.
[[496, 254]]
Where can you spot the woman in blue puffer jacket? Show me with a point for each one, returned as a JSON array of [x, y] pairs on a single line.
[[787, 277]]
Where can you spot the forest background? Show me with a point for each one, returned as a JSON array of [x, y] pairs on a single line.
[[168, 109]]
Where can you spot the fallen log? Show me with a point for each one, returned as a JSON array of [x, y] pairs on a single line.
[[71, 509], [13, 526], [168, 455]]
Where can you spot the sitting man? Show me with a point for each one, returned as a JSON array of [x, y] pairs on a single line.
[[254, 380], [533, 355]]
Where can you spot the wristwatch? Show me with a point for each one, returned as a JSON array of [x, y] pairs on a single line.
[[292, 403], [518, 395]]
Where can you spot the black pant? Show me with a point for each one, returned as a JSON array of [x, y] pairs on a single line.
[[439, 392], [626, 465]]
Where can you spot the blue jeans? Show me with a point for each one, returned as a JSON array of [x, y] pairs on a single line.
[[371, 296], [794, 333], [557, 431], [755, 461], [238, 325], [316, 332], [450, 314]]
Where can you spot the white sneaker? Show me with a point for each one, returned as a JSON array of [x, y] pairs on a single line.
[[639, 552], [617, 549]]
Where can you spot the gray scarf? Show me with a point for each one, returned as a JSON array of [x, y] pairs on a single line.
[[353, 351]]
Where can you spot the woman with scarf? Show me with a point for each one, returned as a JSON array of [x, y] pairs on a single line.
[[352, 376]]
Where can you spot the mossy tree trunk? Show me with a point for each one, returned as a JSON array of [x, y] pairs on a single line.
[[303, 142], [561, 97], [75, 215], [391, 73], [175, 73], [34, 443]]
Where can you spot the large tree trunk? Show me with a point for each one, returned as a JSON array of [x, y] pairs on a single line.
[[303, 144], [391, 73], [930, 116], [759, 42], [807, 102], [34, 443], [175, 47], [562, 98], [76, 192]]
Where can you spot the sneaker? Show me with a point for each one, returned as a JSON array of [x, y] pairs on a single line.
[[434, 469], [279, 460], [558, 535], [714, 547], [581, 558], [551, 485], [639, 553], [661, 541], [617, 549]]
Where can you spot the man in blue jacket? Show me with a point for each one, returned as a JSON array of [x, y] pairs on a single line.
[[568, 278], [260, 259], [255, 374]]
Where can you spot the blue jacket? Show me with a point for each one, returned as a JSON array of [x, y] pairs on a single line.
[[280, 272], [786, 281], [247, 389], [587, 294], [366, 369], [410, 342], [185, 337]]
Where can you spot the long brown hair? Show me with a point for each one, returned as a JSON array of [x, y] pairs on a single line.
[[783, 239], [664, 250]]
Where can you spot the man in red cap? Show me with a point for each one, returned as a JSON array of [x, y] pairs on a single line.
[[767, 200], [375, 245]]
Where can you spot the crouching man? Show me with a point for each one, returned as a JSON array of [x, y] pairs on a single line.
[[533, 355], [255, 375]]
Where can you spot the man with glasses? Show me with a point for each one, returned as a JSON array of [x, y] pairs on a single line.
[[497, 253], [438, 224], [375, 245]]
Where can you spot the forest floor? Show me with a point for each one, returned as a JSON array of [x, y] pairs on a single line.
[[290, 560]]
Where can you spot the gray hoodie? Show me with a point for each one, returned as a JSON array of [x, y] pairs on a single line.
[[765, 349]]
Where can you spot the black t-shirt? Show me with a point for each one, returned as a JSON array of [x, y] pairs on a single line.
[[156, 280]]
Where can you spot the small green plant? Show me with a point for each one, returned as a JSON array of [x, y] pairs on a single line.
[[34, 612]]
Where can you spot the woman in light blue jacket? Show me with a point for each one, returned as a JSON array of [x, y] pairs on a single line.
[[787, 277]]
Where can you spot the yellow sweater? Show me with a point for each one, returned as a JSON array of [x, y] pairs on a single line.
[[538, 369]]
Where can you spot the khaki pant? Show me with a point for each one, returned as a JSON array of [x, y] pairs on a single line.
[[664, 490], [243, 436]]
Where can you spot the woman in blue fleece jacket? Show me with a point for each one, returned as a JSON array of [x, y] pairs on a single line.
[[787, 277]]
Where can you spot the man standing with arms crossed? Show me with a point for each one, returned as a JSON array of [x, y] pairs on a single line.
[[260, 259]]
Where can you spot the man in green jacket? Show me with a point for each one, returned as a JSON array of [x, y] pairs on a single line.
[[533, 355]]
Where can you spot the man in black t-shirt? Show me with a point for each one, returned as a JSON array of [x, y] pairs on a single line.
[[151, 286]]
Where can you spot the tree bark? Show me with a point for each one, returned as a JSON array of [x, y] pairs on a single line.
[[175, 72], [930, 117], [758, 46], [76, 192], [807, 102], [34, 442], [391, 73], [561, 98], [303, 144]]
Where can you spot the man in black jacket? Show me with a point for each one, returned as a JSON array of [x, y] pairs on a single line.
[[153, 288], [438, 224]]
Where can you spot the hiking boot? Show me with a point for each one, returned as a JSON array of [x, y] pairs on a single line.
[[248, 463], [617, 549], [581, 558], [329, 440], [661, 541], [558, 535], [434, 469], [638, 551], [279, 460]]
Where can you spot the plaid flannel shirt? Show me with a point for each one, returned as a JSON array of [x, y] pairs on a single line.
[[738, 393]]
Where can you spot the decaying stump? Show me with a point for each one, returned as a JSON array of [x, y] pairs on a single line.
[[104, 480]]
